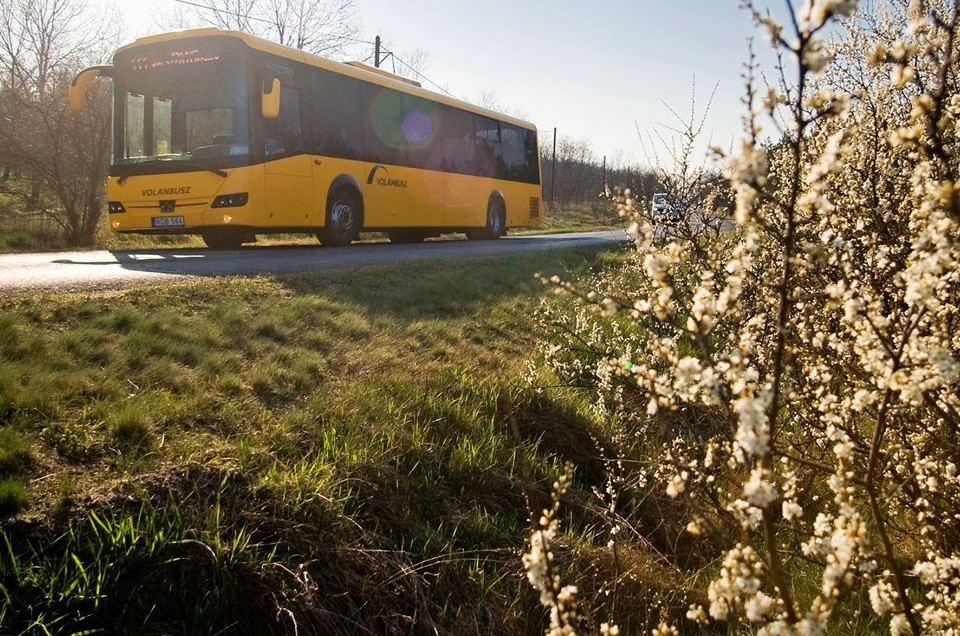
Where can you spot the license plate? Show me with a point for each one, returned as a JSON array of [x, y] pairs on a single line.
[[167, 221]]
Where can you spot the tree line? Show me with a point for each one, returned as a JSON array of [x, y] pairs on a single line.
[[576, 174]]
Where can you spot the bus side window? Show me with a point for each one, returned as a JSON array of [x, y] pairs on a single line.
[[532, 156], [487, 133], [335, 116], [454, 150], [421, 132], [512, 161], [384, 141]]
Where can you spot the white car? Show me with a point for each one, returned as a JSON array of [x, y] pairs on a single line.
[[662, 210]]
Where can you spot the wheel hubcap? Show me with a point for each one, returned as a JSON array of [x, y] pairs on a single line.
[[342, 215]]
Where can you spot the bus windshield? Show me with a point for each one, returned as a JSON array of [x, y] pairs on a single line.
[[178, 107]]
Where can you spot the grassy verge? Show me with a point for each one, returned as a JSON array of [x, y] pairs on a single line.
[[574, 217], [327, 454]]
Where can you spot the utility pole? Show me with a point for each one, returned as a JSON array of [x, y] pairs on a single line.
[[604, 184], [376, 52], [553, 171]]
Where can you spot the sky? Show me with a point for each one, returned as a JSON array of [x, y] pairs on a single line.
[[609, 72]]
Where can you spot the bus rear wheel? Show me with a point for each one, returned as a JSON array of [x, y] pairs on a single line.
[[496, 223], [344, 219], [222, 239]]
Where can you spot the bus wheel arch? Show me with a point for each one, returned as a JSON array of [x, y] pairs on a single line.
[[496, 219], [344, 213]]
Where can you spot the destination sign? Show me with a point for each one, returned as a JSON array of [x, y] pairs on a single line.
[[180, 57]]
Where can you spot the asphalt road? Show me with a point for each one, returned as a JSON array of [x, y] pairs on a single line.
[[98, 270]]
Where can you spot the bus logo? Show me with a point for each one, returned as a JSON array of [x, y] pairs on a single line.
[[167, 205], [385, 180], [169, 192]]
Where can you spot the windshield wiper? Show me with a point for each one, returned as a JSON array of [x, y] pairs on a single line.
[[133, 169]]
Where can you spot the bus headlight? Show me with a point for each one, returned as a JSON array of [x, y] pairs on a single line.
[[115, 206], [236, 200]]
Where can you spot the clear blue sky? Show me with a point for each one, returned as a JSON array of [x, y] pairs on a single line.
[[597, 71]]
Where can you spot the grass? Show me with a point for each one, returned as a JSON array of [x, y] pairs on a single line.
[[131, 429], [28, 234], [13, 496], [350, 452], [575, 217], [15, 452], [22, 230]]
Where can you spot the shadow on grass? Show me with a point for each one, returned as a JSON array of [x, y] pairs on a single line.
[[561, 431], [448, 288]]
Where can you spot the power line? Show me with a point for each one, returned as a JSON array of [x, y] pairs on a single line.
[[219, 11], [425, 78], [378, 44]]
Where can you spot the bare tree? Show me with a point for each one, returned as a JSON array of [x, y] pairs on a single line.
[[61, 157], [579, 175], [488, 98], [315, 26], [68, 154], [38, 37]]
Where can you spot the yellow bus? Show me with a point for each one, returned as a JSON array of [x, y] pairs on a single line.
[[225, 135]]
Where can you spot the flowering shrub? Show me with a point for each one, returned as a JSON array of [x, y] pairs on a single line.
[[811, 355]]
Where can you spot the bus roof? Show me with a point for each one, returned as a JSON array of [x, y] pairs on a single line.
[[374, 76]]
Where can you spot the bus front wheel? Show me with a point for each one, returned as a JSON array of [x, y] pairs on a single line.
[[344, 219], [496, 223], [223, 239]]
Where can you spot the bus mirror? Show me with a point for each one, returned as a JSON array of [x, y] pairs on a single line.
[[270, 99], [77, 95]]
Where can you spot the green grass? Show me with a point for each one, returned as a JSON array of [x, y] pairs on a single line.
[[25, 240], [131, 428], [15, 452], [351, 451], [13, 496], [575, 217]]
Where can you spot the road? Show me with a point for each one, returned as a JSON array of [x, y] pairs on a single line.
[[96, 270]]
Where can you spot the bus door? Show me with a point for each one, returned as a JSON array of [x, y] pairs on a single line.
[[290, 196]]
